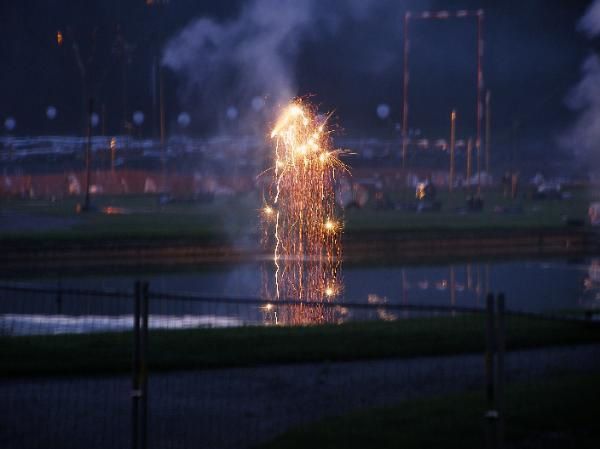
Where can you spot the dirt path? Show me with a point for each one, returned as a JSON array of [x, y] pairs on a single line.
[[238, 408]]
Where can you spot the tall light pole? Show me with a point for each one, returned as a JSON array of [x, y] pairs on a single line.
[[452, 142], [87, 86], [158, 6], [488, 130], [405, 91], [469, 158], [479, 171], [480, 82], [91, 81], [88, 156]]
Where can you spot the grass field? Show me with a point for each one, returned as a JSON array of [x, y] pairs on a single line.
[[561, 413], [107, 353], [144, 217]]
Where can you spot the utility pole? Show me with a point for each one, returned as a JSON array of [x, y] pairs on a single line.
[[488, 130], [405, 91], [158, 6], [93, 73], [125, 93], [469, 157], [87, 87], [88, 156], [480, 82], [452, 141], [479, 171], [162, 129]]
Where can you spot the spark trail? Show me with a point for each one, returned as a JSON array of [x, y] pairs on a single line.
[[299, 215]]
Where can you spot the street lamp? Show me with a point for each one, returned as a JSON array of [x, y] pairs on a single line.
[[452, 144], [89, 81], [157, 5]]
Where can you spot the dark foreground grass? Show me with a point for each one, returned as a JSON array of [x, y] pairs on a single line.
[[108, 353], [562, 413]]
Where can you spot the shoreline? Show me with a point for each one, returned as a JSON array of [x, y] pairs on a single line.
[[366, 247]]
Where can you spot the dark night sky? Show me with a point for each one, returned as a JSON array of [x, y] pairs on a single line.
[[533, 55]]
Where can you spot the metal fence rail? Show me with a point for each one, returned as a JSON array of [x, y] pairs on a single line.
[[241, 405], [29, 309]]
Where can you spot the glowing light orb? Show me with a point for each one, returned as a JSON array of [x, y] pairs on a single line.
[[138, 118], [184, 120], [51, 112], [258, 103], [231, 113], [330, 226], [383, 111], [95, 119], [10, 124]]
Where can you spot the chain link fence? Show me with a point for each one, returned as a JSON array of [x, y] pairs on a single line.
[[140, 368]]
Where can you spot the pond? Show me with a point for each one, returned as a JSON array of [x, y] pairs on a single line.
[[548, 286]]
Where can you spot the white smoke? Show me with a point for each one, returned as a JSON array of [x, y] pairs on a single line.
[[590, 22], [232, 62], [584, 136], [222, 64]]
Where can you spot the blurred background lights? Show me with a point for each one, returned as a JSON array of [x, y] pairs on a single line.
[[258, 103], [10, 123], [383, 111], [231, 113], [138, 117], [183, 119], [51, 112]]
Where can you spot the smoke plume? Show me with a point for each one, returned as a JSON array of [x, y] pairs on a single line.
[[231, 69], [584, 136], [246, 57]]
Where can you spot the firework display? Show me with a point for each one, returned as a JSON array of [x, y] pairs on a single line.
[[299, 218]]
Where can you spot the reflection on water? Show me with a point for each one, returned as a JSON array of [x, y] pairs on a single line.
[[303, 314], [32, 324], [590, 298], [383, 314], [292, 279], [455, 282], [534, 286]]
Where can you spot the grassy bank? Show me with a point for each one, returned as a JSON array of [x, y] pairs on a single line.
[[143, 217], [557, 414], [108, 353]]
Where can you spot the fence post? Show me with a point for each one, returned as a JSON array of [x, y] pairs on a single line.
[[144, 368], [59, 297], [500, 347], [490, 414], [135, 387]]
